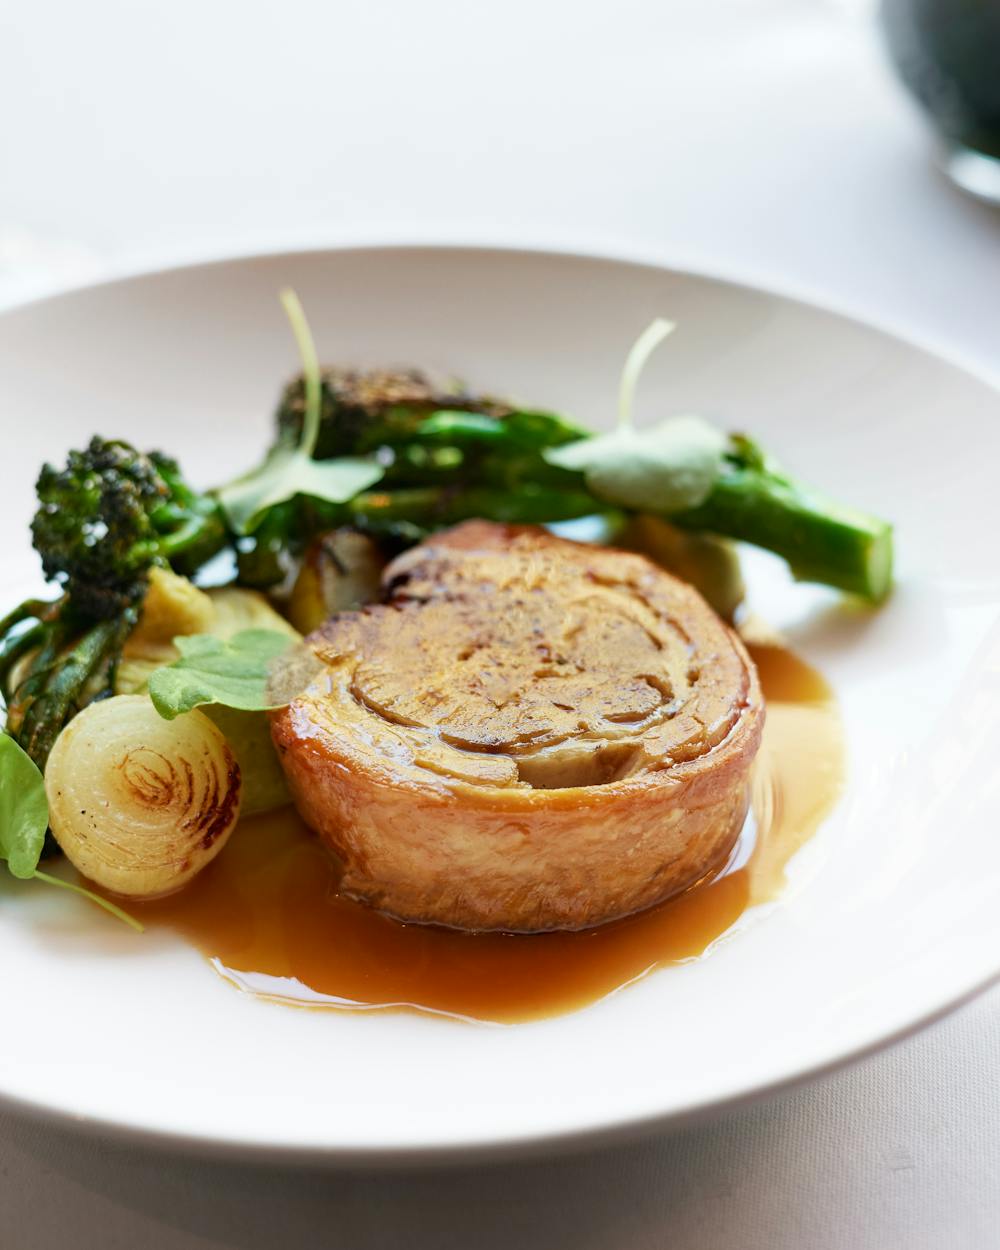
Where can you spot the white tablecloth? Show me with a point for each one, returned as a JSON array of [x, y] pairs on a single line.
[[757, 138]]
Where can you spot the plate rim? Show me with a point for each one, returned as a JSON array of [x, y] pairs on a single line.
[[472, 1152], [530, 1144], [591, 246]]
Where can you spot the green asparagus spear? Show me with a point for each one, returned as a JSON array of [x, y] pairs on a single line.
[[822, 541]]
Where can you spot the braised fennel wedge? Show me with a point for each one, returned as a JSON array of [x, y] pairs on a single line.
[[393, 456]]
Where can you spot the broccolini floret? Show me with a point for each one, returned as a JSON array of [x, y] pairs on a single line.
[[109, 515], [363, 410], [103, 521]]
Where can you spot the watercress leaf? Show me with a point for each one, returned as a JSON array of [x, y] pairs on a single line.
[[235, 672], [335, 480], [291, 471], [241, 499], [288, 472], [24, 809], [665, 468]]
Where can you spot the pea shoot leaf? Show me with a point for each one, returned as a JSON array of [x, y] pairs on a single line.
[[665, 468], [236, 672], [291, 471], [288, 472], [24, 809]]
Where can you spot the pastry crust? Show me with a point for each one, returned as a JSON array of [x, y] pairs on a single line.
[[528, 734]]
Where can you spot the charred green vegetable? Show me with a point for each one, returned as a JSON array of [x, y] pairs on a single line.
[[103, 520], [451, 455], [111, 513], [446, 454], [754, 500], [441, 455], [361, 411]]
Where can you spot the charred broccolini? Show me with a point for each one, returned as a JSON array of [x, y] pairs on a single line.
[[103, 520], [364, 410], [447, 455], [470, 456], [110, 514]]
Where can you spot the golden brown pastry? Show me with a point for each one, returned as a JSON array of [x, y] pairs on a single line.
[[528, 734]]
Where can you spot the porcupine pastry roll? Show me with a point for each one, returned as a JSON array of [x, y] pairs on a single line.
[[528, 734]]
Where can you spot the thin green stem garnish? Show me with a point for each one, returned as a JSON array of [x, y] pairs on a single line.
[[644, 346], [310, 369], [291, 472], [108, 906], [24, 817], [662, 468]]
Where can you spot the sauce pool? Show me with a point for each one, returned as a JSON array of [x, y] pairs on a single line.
[[268, 916]]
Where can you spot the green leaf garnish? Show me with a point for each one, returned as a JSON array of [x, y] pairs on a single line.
[[236, 672], [24, 809], [287, 471], [24, 818], [669, 467]]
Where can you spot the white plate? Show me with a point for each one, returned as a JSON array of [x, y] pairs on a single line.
[[893, 913]]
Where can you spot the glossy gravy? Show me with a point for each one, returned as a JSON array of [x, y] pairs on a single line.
[[268, 916]]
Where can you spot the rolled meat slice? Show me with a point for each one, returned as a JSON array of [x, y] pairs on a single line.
[[529, 734]]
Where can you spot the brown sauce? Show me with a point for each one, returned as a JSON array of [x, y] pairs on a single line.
[[267, 913]]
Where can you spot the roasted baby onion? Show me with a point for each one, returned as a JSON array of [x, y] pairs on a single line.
[[140, 804]]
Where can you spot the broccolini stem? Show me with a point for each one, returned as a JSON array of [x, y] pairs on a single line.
[[431, 507], [12, 651], [30, 609], [822, 541], [63, 692], [42, 663], [196, 541]]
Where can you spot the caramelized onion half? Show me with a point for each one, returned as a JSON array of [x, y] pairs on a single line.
[[140, 804]]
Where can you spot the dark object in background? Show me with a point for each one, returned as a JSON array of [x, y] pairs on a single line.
[[948, 54]]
